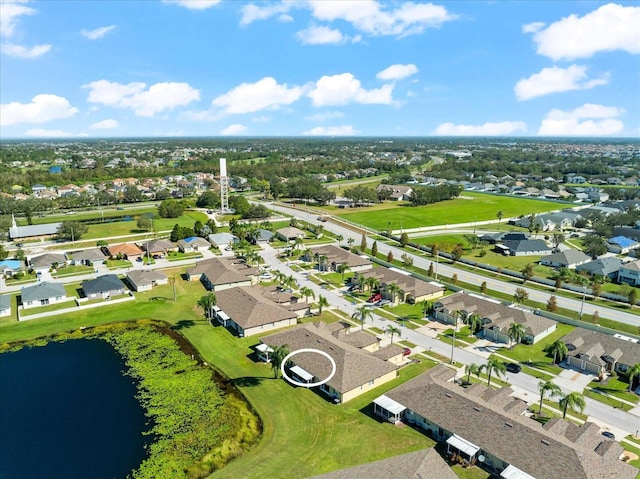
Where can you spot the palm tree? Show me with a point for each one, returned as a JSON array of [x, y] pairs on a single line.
[[547, 387], [172, 282], [391, 329], [306, 291], [342, 268], [322, 303], [279, 276], [339, 238], [350, 242], [298, 243], [494, 365], [277, 356], [207, 302], [572, 401], [470, 369], [372, 283], [632, 372], [322, 259], [290, 282], [558, 349], [499, 215], [475, 322], [516, 333], [393, 289], [360, 280], [361, 315]]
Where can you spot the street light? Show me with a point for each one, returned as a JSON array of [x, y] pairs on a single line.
[[453, 342], [584, 293]]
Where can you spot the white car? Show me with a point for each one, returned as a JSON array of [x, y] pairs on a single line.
[[266, 276]]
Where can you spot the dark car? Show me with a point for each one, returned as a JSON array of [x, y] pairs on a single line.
[[514, 368], [608, 434]]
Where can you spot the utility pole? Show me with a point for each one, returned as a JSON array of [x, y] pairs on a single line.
[[453, 343]]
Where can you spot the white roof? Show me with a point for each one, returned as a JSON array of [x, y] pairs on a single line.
[[301, 373], [512, 472], [463, 445], [389, 404], [222, 315], [264, 348]]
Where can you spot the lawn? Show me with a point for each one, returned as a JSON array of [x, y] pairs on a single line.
[[72, 270], [469, 208]]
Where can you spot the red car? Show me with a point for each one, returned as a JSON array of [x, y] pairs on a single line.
[[374, 298]]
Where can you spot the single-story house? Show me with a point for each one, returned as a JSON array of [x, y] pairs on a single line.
[[606, 267], [88, 257], [248, 312], [396, 192], [336, 256], [481, 425], [599, 353], [42, 294], [493, 238], [145, 280], [222, 240], [128, 251], [527, 247], [621, 244], [193, 243], [630, 273], [5, 305], [221, 273], [285, 299], [569, 258], [104, 287], [495, 316], [264, 236], [422, 464], [412, 290], [9, 267], [356, 370], [47, 261], [290, 233], [159, 247]]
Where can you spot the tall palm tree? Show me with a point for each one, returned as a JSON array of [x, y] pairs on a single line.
[[350, 242], [339, 238], [306, 291], [494, 366], [342, 268], [558, 349], [298, 243], [572, 401], [361, 315], [474, 321], [632, 372], [172, 282], [516, 333], [547, 387], [279, 276], [207, 302], [277, 356], [322, 303], [372, 283], [392, 330], [393, 289], [470, 369]]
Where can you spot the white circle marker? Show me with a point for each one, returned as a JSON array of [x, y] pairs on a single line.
[[308, 350]]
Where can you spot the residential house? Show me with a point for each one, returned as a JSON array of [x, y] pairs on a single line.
[[104, 287], [334, 256], [526, 247], [485, 426], [290, 233], [630, 273], [599, 353], [218, 274], [426, 463], [264, 236], [88, 257], [412, 290], [493, 238], [145, 280], [38, 188], [248, 312], [221, 240], [47, 261], [9, 267], [285, 299], [193, 244], [128, 251], [396, 192], [606, 267], [495, 316], [621, 245], [42, 294], [569, 258], [159, 247], [5, 305], [356, 370]]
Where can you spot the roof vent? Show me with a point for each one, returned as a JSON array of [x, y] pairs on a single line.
[[448, 395], [508, 424], [544, 441], [476, 408]]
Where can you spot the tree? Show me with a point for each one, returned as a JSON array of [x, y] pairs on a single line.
[[520, 296], [547, 387], [144, 223], [596, 317], [596, 288], [363, 244], [404, 239], [430, 271], [557, 240], [632, 372], [594, 245], [131, 194], [306, 292], [172, 282], [434, 250], [72, 230], [454, 278], [322, 303], [473, 241], [558, 349], [470, 369], [361, 315], [552, 304], [572, 401], [374, 249], [495, 366], [390, 257], [4, 254], [277, 357], [170, 209], [339, 239], [483, 287], [207, 302], [392, 330], [632, 297], [527, 273], [208, 199], [350, 242], [342, 268], [407, 260], [393, 289], [516, 333], [474, 321], [457, 252], [499, 215]]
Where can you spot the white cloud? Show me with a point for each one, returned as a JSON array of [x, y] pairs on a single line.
[[144, 102], [252, 97], [397, 72], [320, 35], [10, 12], [345, 88], [533, 27], [252, 13], [488, 129], [43, 133], [587, 120], [19, 51], [105, 125], [234, 129], [324, 116], [610, 27], [43, 108], [346, 130], [555, 80], [194, 4], [97, 33]]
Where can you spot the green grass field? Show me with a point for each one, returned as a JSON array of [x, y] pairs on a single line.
[[467, 209]]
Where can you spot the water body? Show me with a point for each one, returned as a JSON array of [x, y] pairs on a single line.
[[66, 411]]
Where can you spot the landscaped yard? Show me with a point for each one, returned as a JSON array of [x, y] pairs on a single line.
[[72, 270]]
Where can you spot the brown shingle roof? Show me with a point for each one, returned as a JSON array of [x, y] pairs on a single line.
[[410, 285], [248, 308], [595, 345], [339, 256], [124, 248], [224, 270]]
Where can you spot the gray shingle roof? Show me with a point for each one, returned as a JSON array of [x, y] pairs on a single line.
[[43, 290], [92, 254], [224, 270], [5, 302], [47, 260], [567, 257], [410, 285], [339, 256], [34, 230], [103, 284], [143, 278], [249, 308], [601, 266], [595, 344]]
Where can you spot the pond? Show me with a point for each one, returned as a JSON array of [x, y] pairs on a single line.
[[66, 410]]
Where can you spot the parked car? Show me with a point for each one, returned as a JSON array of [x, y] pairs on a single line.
[[266, 276], [514, 368], [383, 302], [608, 434], [374, 298]]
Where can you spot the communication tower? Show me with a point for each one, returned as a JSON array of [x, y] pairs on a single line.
[[224, 186]]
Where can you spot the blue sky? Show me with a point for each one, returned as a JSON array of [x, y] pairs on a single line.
[[318, 68]]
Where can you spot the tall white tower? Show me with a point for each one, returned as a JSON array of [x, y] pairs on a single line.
[[224, 186]]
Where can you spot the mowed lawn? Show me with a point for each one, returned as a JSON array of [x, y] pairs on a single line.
[[470, 207], [303, 434]]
